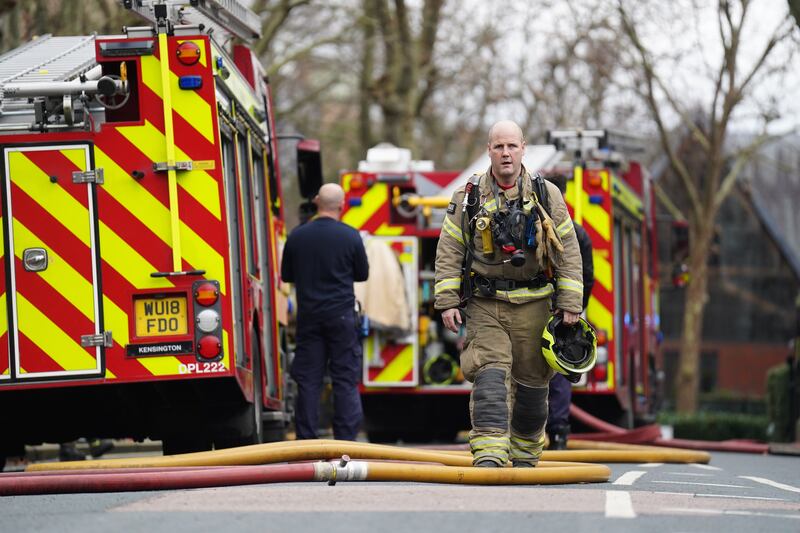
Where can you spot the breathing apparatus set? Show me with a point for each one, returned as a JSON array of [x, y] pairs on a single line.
[[525, 224]]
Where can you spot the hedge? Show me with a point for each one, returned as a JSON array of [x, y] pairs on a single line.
[[705, 425]]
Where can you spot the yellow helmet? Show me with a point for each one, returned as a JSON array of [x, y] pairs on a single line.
[[569, 350]]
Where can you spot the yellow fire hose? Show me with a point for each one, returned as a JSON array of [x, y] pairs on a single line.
[[557, 467]]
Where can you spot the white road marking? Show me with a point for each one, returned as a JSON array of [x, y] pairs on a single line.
[[628, 478], [705, 467], [729, 511], [697, 474], [739, 497], [697, 495], [619, 505], [705, 484], [771, 483], [650, 465]]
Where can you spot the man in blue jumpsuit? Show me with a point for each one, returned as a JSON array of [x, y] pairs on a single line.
[[323, 258], [560, 394]]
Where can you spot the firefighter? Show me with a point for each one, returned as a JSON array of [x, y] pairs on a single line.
[[560, 395], [512, 249], [323, 258]]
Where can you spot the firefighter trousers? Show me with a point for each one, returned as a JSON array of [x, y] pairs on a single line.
[[329, 344], [503, 358]]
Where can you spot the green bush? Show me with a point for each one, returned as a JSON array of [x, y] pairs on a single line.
[[705, 425], [778, 407], [724, 401]]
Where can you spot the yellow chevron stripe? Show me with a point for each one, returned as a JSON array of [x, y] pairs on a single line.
[[198, 183], [610, 380], [597, 217], [602, 271], [346, 182], [76, 156], [75, 217], [398, 368], [71, 213], [600, 317], [127, 261], [161, 366], [3, 315], [202, 255], [386, 229], [188, 104], [193, 108], [51, 339], [60, 275], [133, 196], [375, 197], [155, 216], [226, 356]]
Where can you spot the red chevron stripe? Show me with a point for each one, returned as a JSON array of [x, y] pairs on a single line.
[[51, 232], [54, 163], [33, 359], [113, 214], [194, 214], [47, 299], [388, 354], [5, 359], [128, 156]]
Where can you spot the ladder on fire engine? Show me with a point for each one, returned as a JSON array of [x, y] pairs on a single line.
[[220, 18], [48, 59]]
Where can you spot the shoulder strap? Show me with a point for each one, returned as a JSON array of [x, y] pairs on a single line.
[[473, 192], [540, 189], [472, 197]]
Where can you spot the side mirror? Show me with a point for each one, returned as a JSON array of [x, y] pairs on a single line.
[[309, 167]]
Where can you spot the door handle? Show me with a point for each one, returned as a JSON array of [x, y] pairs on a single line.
[[34, 259]]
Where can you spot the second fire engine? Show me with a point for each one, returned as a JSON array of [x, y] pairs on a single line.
[[412, 385]]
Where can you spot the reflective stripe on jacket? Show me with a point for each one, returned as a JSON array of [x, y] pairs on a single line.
[[451, 249]]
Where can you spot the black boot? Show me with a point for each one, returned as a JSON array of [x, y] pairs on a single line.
[[98, 447], [558, 437], [67, 451]]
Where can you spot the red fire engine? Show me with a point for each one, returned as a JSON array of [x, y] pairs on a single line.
[[142, 216], [412, 386]]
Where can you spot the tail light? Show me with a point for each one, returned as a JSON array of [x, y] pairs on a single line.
[[209, 347], [206, 293], [208, 320], [602, 337]]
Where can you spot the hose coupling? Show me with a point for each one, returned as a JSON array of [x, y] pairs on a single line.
[[334, 471]]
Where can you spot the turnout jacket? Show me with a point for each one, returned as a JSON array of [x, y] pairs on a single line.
[[450, 251]]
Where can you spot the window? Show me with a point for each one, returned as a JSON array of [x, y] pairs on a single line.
[[247, 199]]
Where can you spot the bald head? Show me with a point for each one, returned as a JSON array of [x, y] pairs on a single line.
[[506, 148], [330, 200], [505, 127]]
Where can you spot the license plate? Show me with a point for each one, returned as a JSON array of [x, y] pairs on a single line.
[[160, 317]]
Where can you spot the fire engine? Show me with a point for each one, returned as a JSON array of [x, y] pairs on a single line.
[[412, 386], [142, 221]]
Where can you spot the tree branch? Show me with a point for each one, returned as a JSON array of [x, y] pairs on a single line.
[[742, 157], [677, 165]]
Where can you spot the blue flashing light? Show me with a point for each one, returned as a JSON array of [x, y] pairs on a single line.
[[596, 199], [190, 82], [354, 202]]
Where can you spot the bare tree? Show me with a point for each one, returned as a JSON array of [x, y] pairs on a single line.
[[408, 77], [794, 8], [708, 117]]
